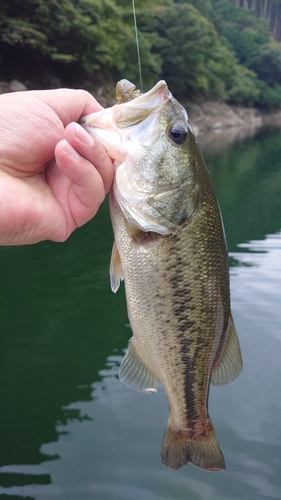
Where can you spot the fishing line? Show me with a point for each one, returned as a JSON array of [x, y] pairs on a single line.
[[137, 43]]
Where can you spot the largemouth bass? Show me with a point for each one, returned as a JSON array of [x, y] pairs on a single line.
[[170, 249]]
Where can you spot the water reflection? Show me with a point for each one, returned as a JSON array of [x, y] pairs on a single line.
[[19, 476], [217, 140], [55, 337], [69, 429]]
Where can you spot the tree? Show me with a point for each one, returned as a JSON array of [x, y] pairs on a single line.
[[267, 63], [185, 43], [92, 35]]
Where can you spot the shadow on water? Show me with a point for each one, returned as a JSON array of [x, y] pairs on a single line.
[[60, 320]]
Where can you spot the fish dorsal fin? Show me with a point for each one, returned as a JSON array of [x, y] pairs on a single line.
[[115, 269], [230, 363], [135, 373]]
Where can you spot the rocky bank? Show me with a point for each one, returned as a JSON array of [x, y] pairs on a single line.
[[218, 115]]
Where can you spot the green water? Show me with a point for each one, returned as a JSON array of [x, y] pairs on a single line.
[[69, 429]]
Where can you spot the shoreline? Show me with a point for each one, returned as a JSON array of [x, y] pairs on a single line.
[[210, 116], [218, 116], [218, 125]]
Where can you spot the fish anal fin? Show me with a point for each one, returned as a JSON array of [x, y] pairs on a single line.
[[135, 373], [229, 365], [181, 446], [115, 269]]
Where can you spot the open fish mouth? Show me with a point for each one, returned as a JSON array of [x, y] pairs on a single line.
[[129, 113]]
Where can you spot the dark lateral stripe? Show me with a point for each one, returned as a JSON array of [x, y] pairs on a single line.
[[189, 380]]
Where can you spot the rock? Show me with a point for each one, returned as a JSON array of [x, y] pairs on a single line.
[[16, 86], [4, 87], [220, 116], [54, 83]]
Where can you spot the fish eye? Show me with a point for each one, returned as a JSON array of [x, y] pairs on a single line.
[[178, 134]]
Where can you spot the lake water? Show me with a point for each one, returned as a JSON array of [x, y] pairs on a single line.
[[69, 430]]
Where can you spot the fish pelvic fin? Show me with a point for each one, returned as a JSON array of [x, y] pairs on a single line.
[[229, 365], [181, 446], [115, 269], [135, 373]]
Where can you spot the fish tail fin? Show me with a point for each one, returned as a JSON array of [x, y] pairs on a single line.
[[180, 446]]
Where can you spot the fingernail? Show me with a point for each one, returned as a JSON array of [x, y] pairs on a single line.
[[70, 150], [83, 136]]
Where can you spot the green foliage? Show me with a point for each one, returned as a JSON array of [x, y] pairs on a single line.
[[97, 35], [184, 43], [267, 63], [243, 88], [203, 48], [196, 61], [231, 81], [246, 39], [255, 80], [269, 96]]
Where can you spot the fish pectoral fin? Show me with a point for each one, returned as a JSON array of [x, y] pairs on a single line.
[[229, 365], [135, 373], [115, 269]]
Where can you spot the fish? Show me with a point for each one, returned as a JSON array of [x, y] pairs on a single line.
[[170, 249]]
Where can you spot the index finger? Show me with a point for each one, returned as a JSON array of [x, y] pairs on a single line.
[[69, 104]]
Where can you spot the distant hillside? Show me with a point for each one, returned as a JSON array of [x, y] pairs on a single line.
[[204, 49]]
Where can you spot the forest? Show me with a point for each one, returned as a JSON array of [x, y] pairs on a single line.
[[227, 50]]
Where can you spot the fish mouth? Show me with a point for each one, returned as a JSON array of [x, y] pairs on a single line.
[[133, 112], [129, 113], [109, 125], [154, 96]]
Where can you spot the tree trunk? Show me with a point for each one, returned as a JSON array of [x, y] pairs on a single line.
[[267, 9]]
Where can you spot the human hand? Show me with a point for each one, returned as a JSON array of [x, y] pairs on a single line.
[[53, 174]]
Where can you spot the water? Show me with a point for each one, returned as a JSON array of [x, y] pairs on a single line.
[[69, 429]]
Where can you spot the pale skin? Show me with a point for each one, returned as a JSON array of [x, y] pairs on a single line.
[[53, 174]]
